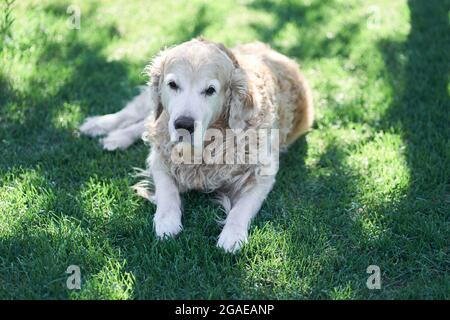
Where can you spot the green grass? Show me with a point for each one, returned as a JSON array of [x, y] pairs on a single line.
[[369, 185]]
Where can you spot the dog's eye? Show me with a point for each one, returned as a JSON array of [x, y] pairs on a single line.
[[210, 91], [173, 85]]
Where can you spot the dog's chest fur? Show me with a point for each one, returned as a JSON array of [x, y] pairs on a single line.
[[209, 178], [203, 177]]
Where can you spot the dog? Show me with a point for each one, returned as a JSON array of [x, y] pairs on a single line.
[[199, 86]]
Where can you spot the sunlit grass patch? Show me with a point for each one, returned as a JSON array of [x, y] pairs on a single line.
[[276, 266], [112, 282], [24, 195]]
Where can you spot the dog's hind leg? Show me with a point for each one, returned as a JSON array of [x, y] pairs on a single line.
[[123, 138], [135, 111]]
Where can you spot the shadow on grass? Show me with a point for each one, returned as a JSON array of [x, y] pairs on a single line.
[[304, 22], [193, 26], [420, 111], [419, 70]]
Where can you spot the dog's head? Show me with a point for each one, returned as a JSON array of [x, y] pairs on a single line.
[[197, 83]]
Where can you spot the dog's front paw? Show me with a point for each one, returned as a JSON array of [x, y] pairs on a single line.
[[232, 238], [95, 126], [167, 224], [116, 140]]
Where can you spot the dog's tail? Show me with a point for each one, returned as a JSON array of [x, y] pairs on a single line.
[[225, 202], [145, 188]]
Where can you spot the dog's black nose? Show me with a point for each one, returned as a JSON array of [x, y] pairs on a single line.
[[186, 123]]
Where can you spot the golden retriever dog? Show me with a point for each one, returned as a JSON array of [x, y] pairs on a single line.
[[198, 87]]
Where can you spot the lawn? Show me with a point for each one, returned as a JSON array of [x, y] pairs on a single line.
[[369, 185]]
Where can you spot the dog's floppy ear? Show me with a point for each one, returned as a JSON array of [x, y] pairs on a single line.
[[228, 53], [240, 109], [154, 70]]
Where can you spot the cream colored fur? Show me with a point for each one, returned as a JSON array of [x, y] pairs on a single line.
[[255, 88]]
